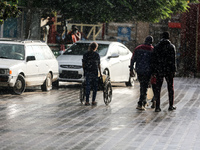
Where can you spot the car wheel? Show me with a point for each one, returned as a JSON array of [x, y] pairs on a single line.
[[47, 85], [20, 85], [107, 93], [135, 78], [106, 72], [82, 93]]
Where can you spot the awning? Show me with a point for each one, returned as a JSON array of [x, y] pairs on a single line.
[[174, 25]]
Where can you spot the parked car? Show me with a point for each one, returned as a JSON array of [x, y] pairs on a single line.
[[115, 61], [26, 63]]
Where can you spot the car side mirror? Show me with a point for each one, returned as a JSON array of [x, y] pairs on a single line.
[[30, 58], [113, 56]]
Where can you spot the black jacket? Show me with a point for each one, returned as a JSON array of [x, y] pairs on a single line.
[[163, 60], [142, 57], [91, 61]]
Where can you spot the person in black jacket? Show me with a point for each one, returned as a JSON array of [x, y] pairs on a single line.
[[141, 58], [163, 64], [91, 66]]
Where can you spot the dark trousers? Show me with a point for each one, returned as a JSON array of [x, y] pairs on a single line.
[[91, 82], [154, 91], [170, 86], [144, 83]]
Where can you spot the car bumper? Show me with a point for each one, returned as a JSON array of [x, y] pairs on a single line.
[[71, 80], [7, 81], [71, 75]]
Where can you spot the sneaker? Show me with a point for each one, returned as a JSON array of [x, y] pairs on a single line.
[[94, 103], [157, 110], [171, 108], [140, 107], [145, 104], [87, 104]]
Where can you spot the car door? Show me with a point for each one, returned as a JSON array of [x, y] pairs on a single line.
[[125, 57], [42, 63], [50, 61], [32, 69], [114, 63]]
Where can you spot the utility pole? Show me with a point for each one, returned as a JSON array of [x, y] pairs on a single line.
[[197, 42]]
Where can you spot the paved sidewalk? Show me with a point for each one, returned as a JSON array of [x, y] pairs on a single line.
[[56, 120]]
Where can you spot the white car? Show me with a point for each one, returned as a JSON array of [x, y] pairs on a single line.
[[26, 63], [115, 61]]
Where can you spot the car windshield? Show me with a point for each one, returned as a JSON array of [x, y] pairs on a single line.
[[12, 51], [81, 48]]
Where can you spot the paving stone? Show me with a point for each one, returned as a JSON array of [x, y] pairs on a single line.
[[53, 120]]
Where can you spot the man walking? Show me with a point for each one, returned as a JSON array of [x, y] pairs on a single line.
[[164, 67], [142, 58]]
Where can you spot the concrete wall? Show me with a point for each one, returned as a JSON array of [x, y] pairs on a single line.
[[112, 33], [139, 31], [142, 32]]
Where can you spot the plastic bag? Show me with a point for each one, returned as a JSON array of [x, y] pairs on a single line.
[[149, 93]]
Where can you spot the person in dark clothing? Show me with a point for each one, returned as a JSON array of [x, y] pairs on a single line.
[[91, 65], [164, 67], [142, 57], [153, 85]]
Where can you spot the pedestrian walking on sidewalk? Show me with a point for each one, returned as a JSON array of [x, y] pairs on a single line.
[[164, 67], [141, 59], [91, 66]]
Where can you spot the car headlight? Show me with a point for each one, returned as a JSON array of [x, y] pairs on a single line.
[[5, 71]]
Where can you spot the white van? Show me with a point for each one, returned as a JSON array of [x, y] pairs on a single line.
[[27, 63]]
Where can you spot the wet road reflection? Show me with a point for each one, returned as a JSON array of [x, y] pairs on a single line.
[[57, 120]]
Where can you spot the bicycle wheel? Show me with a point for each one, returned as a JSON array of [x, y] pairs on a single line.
[[82, 93], [107, 93]]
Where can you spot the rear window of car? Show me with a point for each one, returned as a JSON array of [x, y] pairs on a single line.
[[82, 48], [12, 51], [41, 52]]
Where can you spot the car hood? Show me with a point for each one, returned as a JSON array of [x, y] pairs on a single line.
[[70, 59], [7, 63]]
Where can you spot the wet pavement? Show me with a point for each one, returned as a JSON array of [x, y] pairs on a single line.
[[57, 120]]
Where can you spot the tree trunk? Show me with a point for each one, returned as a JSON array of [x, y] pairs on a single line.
[[28, 20]]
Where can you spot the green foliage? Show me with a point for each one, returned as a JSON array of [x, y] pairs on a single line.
[[90, 11], [8, 9], [93, 11]]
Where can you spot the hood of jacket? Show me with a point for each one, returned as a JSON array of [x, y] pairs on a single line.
[[164, 42]]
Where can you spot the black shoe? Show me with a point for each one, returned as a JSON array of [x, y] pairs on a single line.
[[171, 108], [157, 110], [140, 107], [94, 103], [87, 104], [153, 104]]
